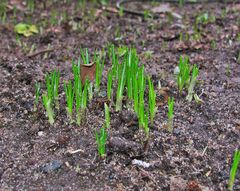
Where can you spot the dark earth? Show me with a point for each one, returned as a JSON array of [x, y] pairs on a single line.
[[197, 155]]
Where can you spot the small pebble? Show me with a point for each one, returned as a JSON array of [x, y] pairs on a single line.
[[141, 163], [40, 133], [52, 166]]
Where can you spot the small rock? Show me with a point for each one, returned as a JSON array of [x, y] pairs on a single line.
[[120, 144], [52, 166], [176, 131], [177, 184], [40, 133], [141, 163]]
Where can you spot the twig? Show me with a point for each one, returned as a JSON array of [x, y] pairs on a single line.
[[41, 52], [75, 151]]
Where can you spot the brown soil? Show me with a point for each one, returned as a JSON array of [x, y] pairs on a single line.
[[197, 155]]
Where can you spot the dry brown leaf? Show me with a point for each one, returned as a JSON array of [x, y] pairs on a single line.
[[88, 71]]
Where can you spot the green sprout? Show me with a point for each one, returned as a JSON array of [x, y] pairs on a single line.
[[77, 79], [104, 2], [107, 115], [141, 114], [47, 104], [145, 125], [85, 94], [121, 11], [147, 14], [69, 91], [148, 54], [129, 75], [141, 84], [132, 61], [37, 95], [3, 11], [79, 110], [31, 5], [53, 18], [197, 99], [192, 83], [141, 90], [181, 3], [135, 96], [101, 139], [170, 114], [121, 84], [114, 60], [183, 73], [52, 82], [151, 100], [122, 50], [109, 85], [85, 56], [81, 101], [203, 18], [90, 90], [78, 91], [99, 71], [236, 160]]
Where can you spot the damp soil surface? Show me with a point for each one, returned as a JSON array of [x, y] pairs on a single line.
[[197, 155]]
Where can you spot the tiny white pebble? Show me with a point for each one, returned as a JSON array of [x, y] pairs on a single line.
[[40, 133]]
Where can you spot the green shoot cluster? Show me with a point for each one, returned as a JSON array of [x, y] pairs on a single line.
[[85, 56], [151, 100], [31, 5], [233, 171], [48, 107], [69, 91], [126, 79], [81, 94], [101, 139], [187, 78], [192, 83], [50, 99], [184, 73], [130, 78]]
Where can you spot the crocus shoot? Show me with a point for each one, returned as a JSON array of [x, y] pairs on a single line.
[[69, 91], [47, 104], [37, 86], [170, 114], [145, 125], [183, 74], [233, 171], [85, 56], [107, 115], [120, 88], [52, 81], [101, 139], [151, 100], [109, 85], [192, 83]]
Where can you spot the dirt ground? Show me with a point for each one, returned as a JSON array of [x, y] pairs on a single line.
[[198, 154]]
